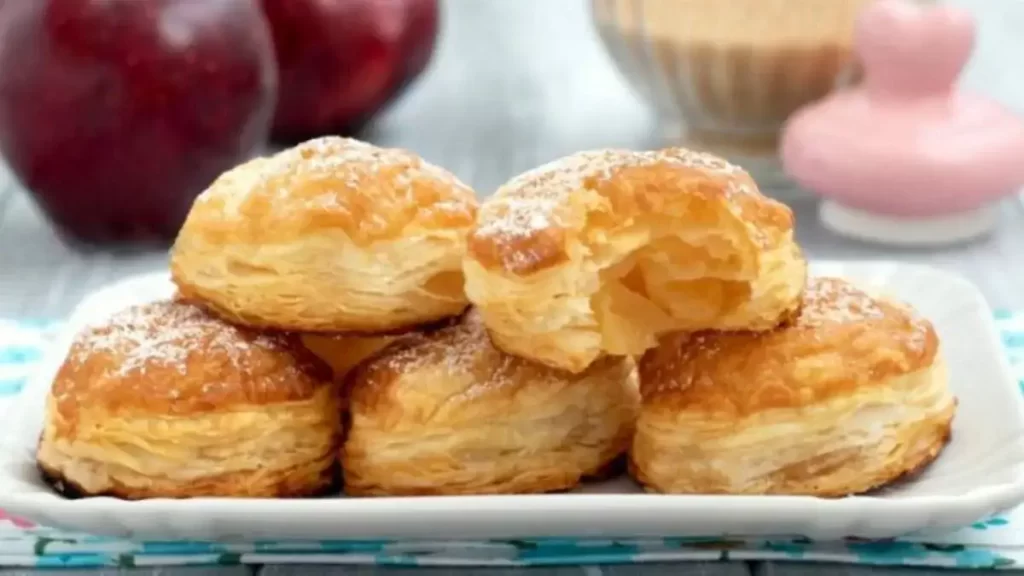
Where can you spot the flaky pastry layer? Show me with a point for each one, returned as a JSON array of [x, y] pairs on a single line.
[[447, 413], [845, 445], [601, 252], [173, 358], [841, 339], [847, 395], [333, 235], [280, 450], [324, 283]]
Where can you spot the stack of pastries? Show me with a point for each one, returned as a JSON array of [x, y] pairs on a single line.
[[349, 318]]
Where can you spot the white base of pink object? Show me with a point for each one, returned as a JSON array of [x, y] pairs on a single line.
[[944, 230]]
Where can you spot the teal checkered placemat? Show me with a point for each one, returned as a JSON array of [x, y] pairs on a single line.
[[996, 542]]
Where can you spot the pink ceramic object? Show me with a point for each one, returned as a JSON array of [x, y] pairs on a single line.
[[904, 156]]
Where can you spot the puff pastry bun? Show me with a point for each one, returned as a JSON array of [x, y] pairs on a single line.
[[165, 401], [602, 251], [849, 396], [444, 412], [333, 235]]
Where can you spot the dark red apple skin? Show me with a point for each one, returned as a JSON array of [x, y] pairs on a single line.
[[115, 114], [342, 61]]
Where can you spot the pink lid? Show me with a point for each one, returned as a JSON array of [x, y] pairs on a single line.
[[905, 141]]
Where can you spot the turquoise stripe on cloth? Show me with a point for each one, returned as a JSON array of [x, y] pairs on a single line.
[[994, 543]]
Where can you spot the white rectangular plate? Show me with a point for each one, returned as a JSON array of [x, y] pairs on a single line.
[[980, 473]]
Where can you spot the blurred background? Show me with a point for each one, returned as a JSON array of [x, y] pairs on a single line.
[[113, 115]]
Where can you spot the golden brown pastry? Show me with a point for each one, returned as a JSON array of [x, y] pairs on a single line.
[[333, 235], [445, 412], [602, 251], [848, 397], [165, 401], [343, 352]]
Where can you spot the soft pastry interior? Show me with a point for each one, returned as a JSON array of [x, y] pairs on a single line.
[[447, 413], [849, 396], [164, 400], [601, 252], [333, 235]]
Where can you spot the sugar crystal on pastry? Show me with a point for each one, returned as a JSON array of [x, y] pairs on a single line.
[[333, 235], [601, 251], [445, 412], [849, 396], [165, 400]]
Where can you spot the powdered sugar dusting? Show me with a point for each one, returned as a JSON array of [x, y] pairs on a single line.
[[164, 335], [455, 349], [520, 217], [836, 316], [534, 201], [345, 162], [465, 357], [835, 301], [352, 159]]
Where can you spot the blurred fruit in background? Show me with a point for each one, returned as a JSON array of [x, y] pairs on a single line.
[[342, 61], [115, 114]]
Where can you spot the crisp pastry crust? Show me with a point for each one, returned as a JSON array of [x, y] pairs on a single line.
[[602, 251], [333, 235], [344, 352], [847, 397], [165, 401], [445, 412]]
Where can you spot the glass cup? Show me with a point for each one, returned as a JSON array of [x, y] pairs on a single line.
[[724, 75]]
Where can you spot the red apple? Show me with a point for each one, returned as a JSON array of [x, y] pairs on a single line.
[[115, 114], [342, 61]]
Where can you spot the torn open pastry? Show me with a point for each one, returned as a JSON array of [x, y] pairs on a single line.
[[602, 251]]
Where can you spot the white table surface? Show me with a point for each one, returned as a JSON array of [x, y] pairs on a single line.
[[514, 84]]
